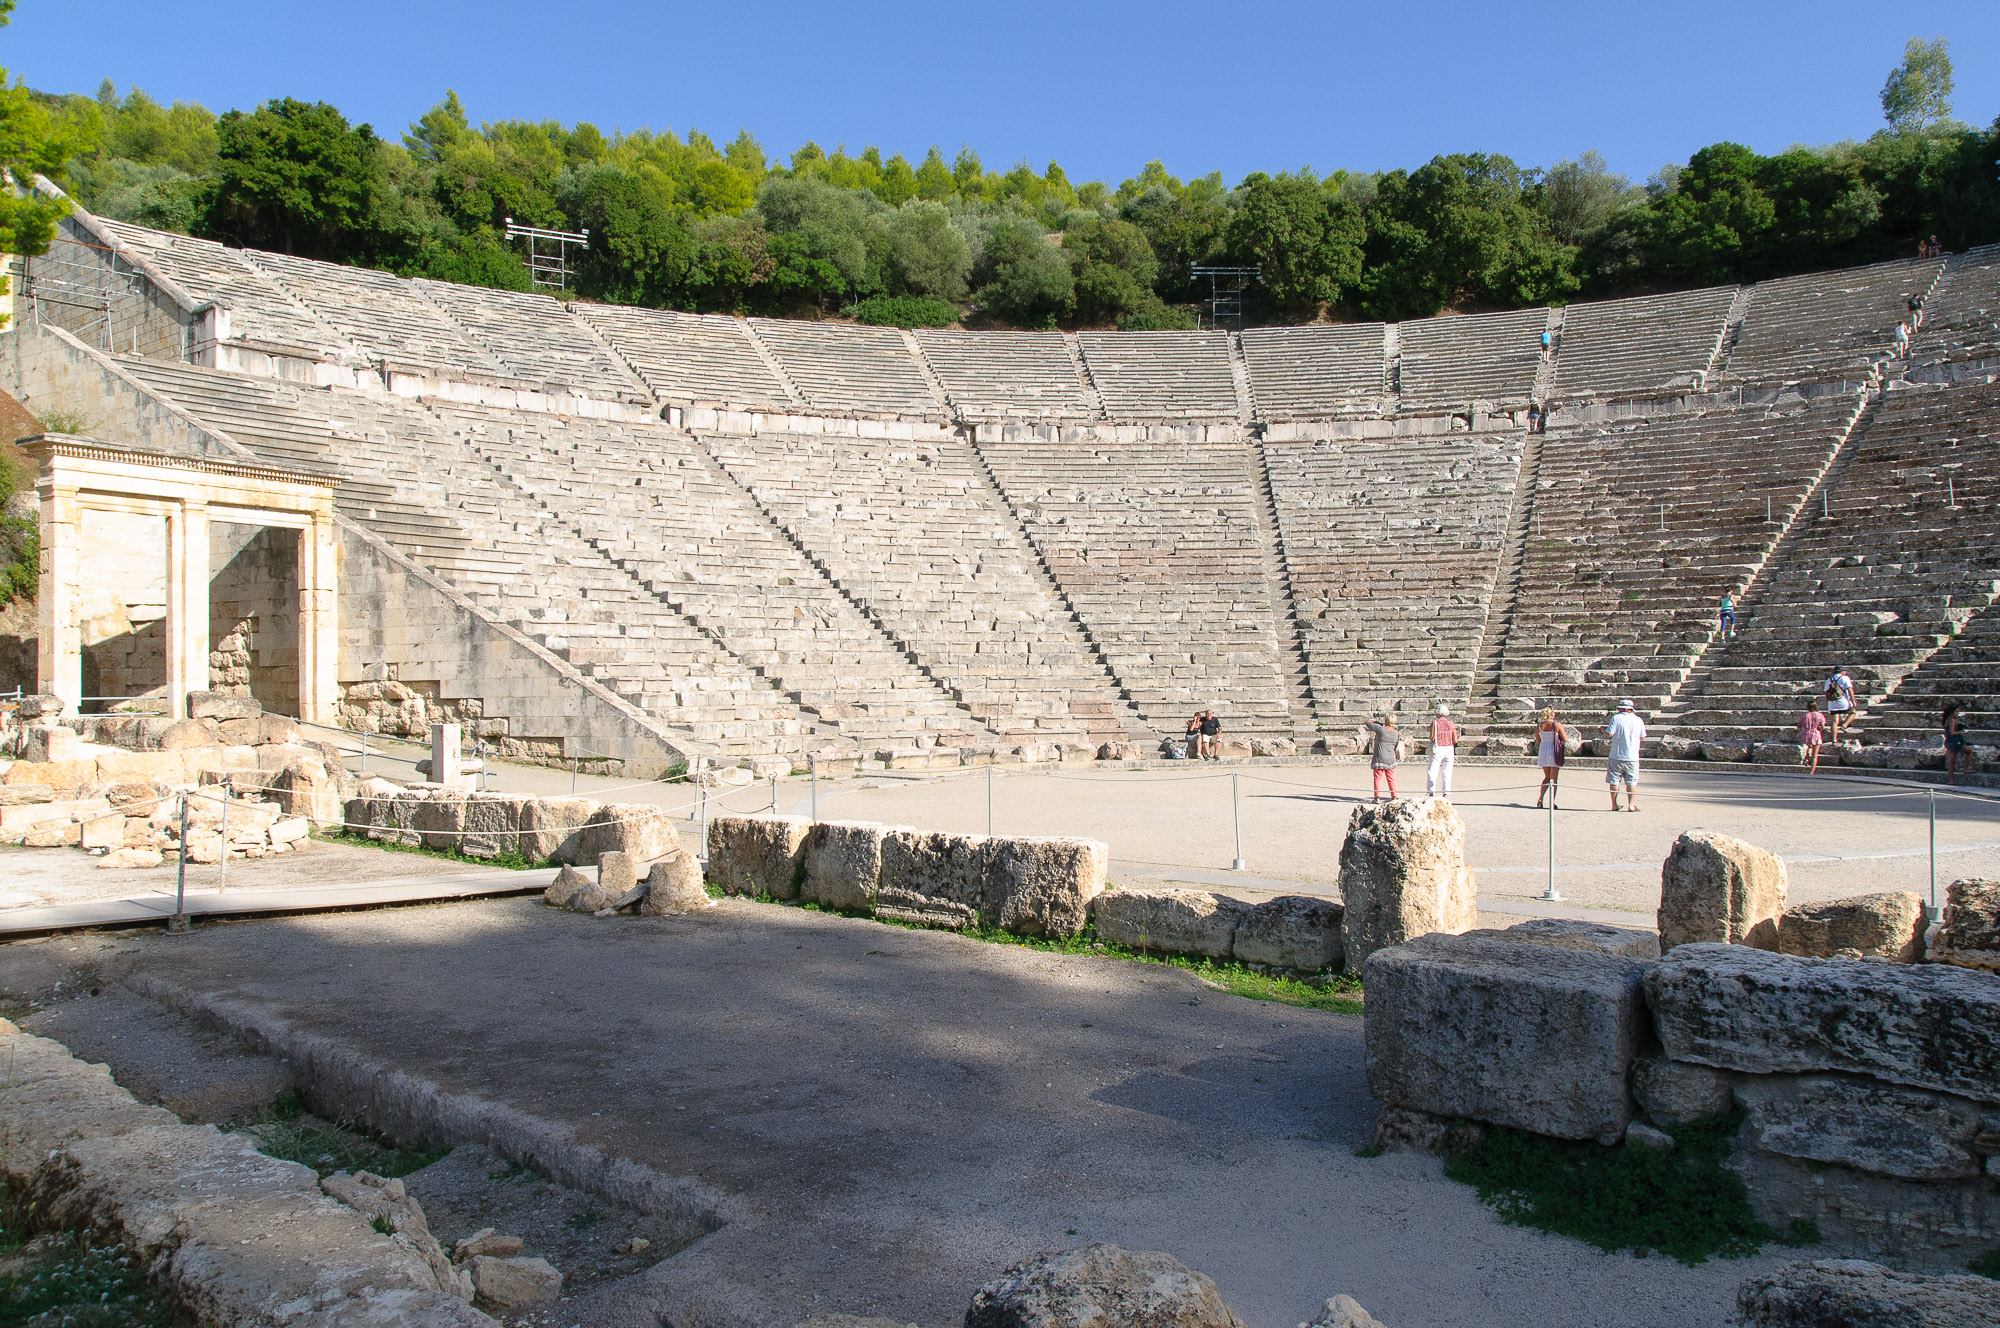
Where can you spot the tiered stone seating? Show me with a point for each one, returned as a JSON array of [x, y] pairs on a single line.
[[1392, 546], [1906, 554], [1317, 372], [857, 370], [381, 315], [1007, 375], [647, 498], [1457, 359], [1967, 670], [449, 510], [1646, 346], [1162, 375], [1826, 326], [691, 359], [258, 310], [916, 534], [534, 339], [1962, 317], [1157, 545], [1616, 598]]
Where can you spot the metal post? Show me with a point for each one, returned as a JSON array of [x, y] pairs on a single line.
[[222, 858], [178, 922], [1825, 502], [574, 761], [1663, 516], [364, 753], [1933, 801], [1767, 509], [812, 765], [1552, 895], [1236, 805], [989, 800], [774, 795], [1950, 494], [701, 796]]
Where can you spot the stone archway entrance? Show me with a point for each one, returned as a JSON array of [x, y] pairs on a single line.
[[89, 489]]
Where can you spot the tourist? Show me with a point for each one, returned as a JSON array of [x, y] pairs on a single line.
[[1621, 763], [1839, 693], [1387, 750], [1547, 343], [1552, 744], [1812, 732], [1937, 248], [1954, 740], [1211, 729], [1534, 417], [1902, 339], [1728, 615], [1192, 749], [1444, 754]]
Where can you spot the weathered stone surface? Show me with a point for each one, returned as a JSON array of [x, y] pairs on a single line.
[[644, 832], [1524, 1035], [276, 728], [552, 828], [514, 1284], [54, 834], [1343, 1312], [1043, 887], [1161, 920], [186, 733], [1570, 934], [933, 878], [1717, 888], [1121, 751], [132, 857], [851, 1321], [1968, 931], [492, 825], [1858, 1123], [564, 889], [1924, 1025], [1299, 932], [1888, 925], [751, 855], [1403, 875], [290, 830], [843, 861], [1641, 1135], [222, 705], [487, 1241], [1233, 749], [1851, 1293], [102, 832], [1273, 747], [616, 872], [304, 787], [237, 732], [1671, 1093], [440, 821], [1100, 1286], [673, 887]]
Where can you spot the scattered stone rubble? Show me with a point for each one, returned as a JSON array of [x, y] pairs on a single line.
[[1108, 1286], [1851, 1293], [1295, 933], [1968, 931]]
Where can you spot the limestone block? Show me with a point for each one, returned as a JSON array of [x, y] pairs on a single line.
[[843, 861], [575, 891], [1100, 1286], [276, 728], [102, 832], [1043, 887], [53, 834], [616, 872], [1852, 1293], [1870, 1126], [1889, 925], [221, 705], [1273, 747], [1717, 888], [1672, 1093], [1403, 875], [239, 732], [1233, 749], [933, 878], [51, 742], [515, 1284], [1157, 920], [440, 821], [187, 733], [1299, 932], [305, 788], [644, 832], [751, 855], [160, 767], [1925, 1025], [39, 705], [1779, 753], [1569, 934], [1121, 751], [1968, 931], [674, 887], [290, 830], [552, 828], [63, 776], [492, 825], [32, 814], [1531, 1036], [119, 858]]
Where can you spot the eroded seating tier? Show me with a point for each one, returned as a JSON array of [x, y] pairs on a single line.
[[1008, 375], [1305, 373], [1471, 357], [690, 359], [1826, 326], [1654, 345]]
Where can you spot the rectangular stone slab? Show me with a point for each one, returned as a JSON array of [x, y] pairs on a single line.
[[1925, 1025], [1154, 919], [1531, 1036], [752, 855], [933, 878]]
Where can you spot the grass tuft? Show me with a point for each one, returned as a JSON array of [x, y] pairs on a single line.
[[1685, 1203], [291, 1134], [1987, 1265], [67, 1279]]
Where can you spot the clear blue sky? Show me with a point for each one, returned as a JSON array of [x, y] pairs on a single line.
[[1103, 88]]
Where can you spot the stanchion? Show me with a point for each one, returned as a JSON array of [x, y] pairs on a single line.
[[364, 753], [1552, 895], [222, 858], [989, 799], [701, 799], [178, 922], [1933, 799], [812, 767], [774, 795], [573, 762], [1236, 806]]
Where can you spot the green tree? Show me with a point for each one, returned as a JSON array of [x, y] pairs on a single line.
[[1918, 93], [641, 248], [934, 179], [1184, 223], [1579, 198], [1027, 280], [823, 223], [1112, 266], [32, 140], [1306, 239], [295, 177], [929, 254], [1461, 227], [1715, 224]]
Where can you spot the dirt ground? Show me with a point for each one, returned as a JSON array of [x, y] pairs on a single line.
[[903, 1113]]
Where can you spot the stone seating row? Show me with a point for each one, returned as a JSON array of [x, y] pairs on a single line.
[[696, 359], [1826, 326], [534, 340], [1304, 373], [381, 315], [1162, 375], [259, 311], [1461, 358], [1008, 375], [1651, 345], [852, 370], [1962, 317]]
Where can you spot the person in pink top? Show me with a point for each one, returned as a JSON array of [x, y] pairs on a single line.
[[1812, 732], [1444, 754]]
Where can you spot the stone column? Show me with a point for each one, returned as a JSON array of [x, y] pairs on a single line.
[[187, 604], [59, 649], [319, 636]]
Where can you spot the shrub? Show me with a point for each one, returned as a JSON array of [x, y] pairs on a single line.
[[903, 311], [1155, 315]]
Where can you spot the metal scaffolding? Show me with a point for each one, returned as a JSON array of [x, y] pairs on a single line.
[[1225, 292], [548, 252]]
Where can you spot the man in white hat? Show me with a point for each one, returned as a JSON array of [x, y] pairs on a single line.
[[1444, 754], [1621, 764]]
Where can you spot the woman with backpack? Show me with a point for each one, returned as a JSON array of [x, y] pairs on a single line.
[[1552, 744]]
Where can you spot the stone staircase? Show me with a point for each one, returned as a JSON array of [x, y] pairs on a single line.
[[1290, 645], [1483, 707]]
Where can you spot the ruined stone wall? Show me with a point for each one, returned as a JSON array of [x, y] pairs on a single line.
[[122, 604], [82, 286], [253, 614]]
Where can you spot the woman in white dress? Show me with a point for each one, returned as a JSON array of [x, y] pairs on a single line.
[[1552, 743]]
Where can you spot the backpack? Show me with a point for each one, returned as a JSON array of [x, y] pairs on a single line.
[[1562, 748]]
